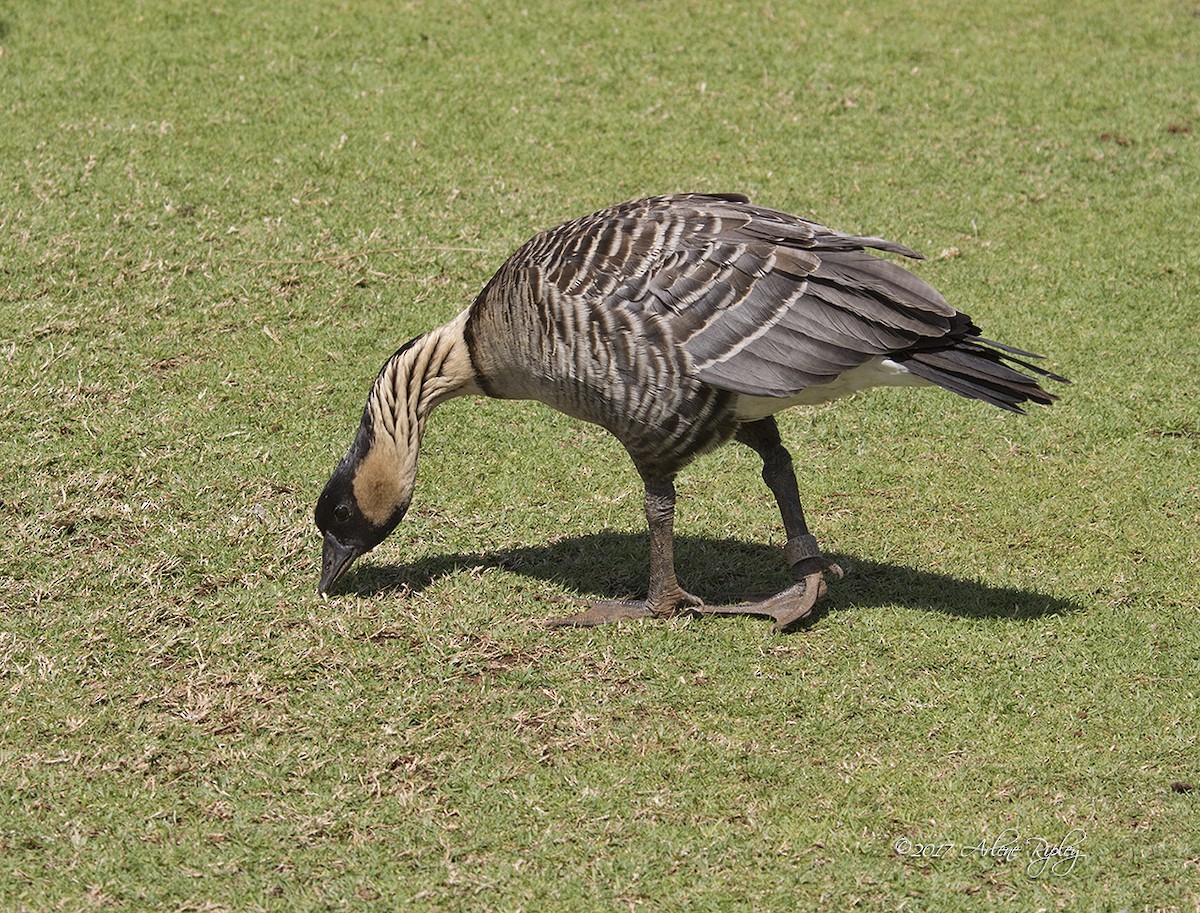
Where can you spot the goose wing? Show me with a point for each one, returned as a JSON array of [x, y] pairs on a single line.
[[762, 302]]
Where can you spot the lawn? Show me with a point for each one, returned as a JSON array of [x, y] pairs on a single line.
[[217, 220]]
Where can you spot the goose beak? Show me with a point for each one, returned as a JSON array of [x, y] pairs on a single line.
[[336, 559]]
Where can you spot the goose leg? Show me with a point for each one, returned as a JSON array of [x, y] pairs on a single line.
[[666, 597], [807, 564]]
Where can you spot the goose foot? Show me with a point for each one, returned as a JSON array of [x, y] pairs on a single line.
[[608, 611], [602, 612], [787, 607]]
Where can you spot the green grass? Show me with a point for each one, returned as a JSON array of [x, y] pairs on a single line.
[[217, 220]]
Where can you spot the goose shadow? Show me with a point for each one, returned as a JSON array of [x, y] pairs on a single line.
[[613, 565]]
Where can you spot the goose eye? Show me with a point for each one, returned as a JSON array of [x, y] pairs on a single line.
[[341, 513]]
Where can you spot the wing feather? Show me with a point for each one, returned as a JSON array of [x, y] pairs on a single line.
[[760, 302]]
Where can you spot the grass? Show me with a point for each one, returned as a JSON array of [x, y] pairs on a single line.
[[216, 221]]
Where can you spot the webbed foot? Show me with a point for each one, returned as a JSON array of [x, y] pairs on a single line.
[[787, 607], [602, 612], [609, 611]]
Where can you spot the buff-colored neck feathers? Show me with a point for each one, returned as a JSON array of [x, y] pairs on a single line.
[[430, 370]]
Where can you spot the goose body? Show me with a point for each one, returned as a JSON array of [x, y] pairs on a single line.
[[677, 323]]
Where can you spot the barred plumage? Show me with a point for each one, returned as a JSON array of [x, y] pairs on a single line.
[[677, 323]]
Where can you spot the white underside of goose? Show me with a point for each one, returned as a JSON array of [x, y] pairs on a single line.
[[878, 372]]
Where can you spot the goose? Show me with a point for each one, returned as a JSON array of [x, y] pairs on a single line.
[[678, 323]]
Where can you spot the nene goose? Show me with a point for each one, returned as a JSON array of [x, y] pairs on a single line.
[[677, 323]]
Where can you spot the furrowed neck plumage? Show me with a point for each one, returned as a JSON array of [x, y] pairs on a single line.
[[429, 370], [425, 372]]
